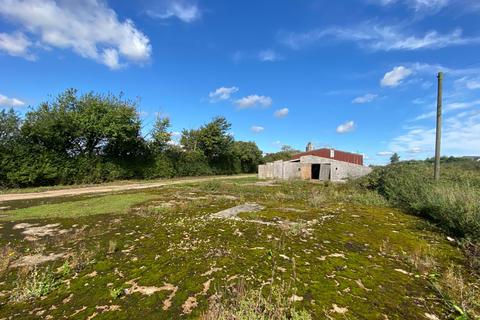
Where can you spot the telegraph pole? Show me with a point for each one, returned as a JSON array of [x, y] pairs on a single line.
[[439, 127]]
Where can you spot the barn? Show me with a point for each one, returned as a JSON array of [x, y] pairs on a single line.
[[322, 164]]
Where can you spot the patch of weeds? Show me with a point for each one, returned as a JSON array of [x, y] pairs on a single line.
[[462, 295], [240, 303], [36, 284], [65, 269], [116, 293], [212, 186], [317, 199], [7, 255], [112, 246], [81, 259], [472, 251]]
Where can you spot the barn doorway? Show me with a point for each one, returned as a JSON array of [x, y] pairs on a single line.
[[316, 171]]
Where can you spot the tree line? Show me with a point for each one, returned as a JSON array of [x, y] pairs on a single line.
[[93, 138]]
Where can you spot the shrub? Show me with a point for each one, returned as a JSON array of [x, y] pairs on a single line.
[[452, 202]]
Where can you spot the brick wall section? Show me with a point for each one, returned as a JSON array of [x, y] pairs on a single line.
[[337, 155]]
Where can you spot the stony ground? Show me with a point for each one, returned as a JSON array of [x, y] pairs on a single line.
[[168, 256]]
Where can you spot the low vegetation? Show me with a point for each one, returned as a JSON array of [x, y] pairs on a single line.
[[310, 251]]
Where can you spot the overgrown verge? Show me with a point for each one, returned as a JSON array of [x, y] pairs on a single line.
[[240, 303], [453, 204]]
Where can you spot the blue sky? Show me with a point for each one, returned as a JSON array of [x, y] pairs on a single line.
[[357, 75]]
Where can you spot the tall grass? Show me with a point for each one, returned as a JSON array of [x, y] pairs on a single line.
[[453, 203]]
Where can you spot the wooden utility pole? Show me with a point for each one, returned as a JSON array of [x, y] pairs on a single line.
[[439, 127]]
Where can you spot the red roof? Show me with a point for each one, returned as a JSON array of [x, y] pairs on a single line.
[[354, 158]]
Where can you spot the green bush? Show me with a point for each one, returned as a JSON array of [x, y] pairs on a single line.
[[453, 202]]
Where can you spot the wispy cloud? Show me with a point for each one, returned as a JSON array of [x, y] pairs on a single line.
[[186, 11], [269, 56], [10, 102], [460, 136], [89, 28], [378, 37], [254, 100], [257, 129], [16, 44], [448, 108], [369, 97], [430, 6], [346, 127], [221, 94], [384, 153], [281, 113], [395, 77]]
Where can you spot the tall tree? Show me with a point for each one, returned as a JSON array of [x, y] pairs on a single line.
[[394, 158], [160, 134], [248, 155]]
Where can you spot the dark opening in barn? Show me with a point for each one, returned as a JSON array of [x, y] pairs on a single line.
[[315, 171]]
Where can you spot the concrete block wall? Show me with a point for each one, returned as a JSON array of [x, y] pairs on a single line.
[[302, 170], [340, 170], [292, 170]]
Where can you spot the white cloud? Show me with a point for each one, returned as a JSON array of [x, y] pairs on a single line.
[[460, 136], [430, 6], [253, 100], [10, 102], [369, 97], [448, 108], [281, 113], [384, 153], [90, 28], [379, 38], [257, 129], [184, 10], [346, 127], [473, 84], [395, 77], [223, 93], [269, 56], [469, 83], [16, 44], [415, 150]]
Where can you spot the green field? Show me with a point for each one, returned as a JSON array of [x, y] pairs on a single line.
[[309, 251]]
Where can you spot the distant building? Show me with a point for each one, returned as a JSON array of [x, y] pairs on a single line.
[[321, 164]]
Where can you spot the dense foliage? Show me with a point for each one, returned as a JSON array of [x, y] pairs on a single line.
[[453, 202], [95, 138]]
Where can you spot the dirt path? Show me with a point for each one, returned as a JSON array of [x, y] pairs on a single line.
[[111, 188]]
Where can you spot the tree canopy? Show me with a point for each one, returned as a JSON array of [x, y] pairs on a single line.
[[92, 138]]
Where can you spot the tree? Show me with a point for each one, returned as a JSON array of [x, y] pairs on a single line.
[[214, 141], [161, 137], [90, 125], [286, 153], [9, 128], [394, 158], [248, 155]]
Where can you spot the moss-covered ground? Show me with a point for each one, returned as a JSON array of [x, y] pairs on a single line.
[[158, 254]]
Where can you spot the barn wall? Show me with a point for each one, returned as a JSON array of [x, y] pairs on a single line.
[[302, 170], [340, 170], [292, 170]]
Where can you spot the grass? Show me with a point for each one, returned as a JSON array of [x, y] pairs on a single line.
[[239, 303], [115, 203], [107, 184], [34, 285], [338, 247]]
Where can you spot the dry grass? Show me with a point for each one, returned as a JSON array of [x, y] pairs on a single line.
[[7, 255], [240, 303], [465, 295]]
